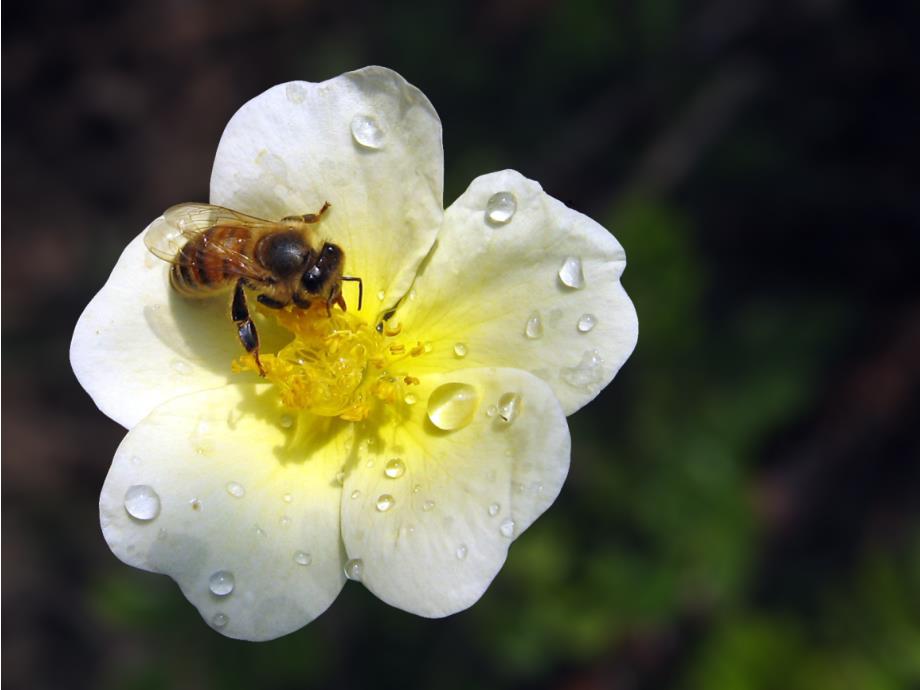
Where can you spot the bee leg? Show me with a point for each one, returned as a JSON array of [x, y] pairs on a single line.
[[245, 328], [314, 217]]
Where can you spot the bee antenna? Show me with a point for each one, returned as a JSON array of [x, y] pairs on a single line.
[[360, 288]]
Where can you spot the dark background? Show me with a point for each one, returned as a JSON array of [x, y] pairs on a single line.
[[742, 510]]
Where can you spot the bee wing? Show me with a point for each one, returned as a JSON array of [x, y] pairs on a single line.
[[168, 234]]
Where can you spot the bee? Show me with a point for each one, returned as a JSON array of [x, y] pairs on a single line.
[[213, 250]]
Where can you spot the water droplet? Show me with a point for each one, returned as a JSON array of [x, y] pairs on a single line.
[[302, 558], [460, 350], [355, 494], [509, 407], [286, 421], [533, 329], [385, 502], [135, 460], [427, 506], [367, 131], [452, 405], [295, 92], [287, 498], [181, 367], [588, 374], [395, 468], [410, 399], [507, 528], [500, 208], [381, 295], [494, 508], [369, 464], [354, 569], [142, 502], [416, 488], [586, 323], [220, 620], [195, 504], [570, 273], [260, 532], [340, 478], [236, 489], [221, 583], [461, 552], [285, 521], [162, 534], [491, 411]]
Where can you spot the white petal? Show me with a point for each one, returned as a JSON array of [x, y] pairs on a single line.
[[235, 495], [292, 148], [484, 281], [138, 343], [462, 498]]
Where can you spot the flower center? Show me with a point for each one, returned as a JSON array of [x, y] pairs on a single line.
[[334, 366]]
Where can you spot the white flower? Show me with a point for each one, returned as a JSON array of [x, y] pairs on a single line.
[[409, 452]]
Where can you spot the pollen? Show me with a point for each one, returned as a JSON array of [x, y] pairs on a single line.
[[335, 365]]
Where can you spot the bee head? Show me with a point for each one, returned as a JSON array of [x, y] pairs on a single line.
[[323, 278]]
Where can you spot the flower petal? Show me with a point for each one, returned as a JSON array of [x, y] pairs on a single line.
[[299, 145], [433, 532], [233, 495], [138, 343], [485, 281]]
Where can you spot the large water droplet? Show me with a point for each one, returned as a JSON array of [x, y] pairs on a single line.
[[221, 583], [385, 502], [142, 502], [494, 508], [452, 405], [302, 558], [461, 552], [588, 374], [220, 620], [507, 528], [236, 489], [367, 131], [395, 468], [509, 407], [533, 329], [586, 323], [354, 569], [570, 273], [500, 208], [460, 350]]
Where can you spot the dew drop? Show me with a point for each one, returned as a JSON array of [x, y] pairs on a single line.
[[395, 468], [494, 508], [461, 552], [354, 569], [181, 367], [410, 399], [587, 374], [295, 92], [220, 620], [236, 489], [285, 521], [142, 502], [586, 323], [452, 405], [385, 502], [367, 131], [428, 506], [500, 208], [259, 532], [533, 329], [287, 498], [491, 411], [570, 273], [507, 528], [460, 350], [286, 421], [135, 460], [381, 295], [355, 494], [340, 478], [221, 583], [416, 488], [509, 407], [302, 558], [195, 504]]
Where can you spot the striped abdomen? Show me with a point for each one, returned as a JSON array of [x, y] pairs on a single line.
[[214, 260]]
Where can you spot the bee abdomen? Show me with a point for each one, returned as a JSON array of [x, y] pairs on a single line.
[[205, 266]]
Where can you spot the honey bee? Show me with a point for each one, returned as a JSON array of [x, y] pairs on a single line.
[[214, 249]]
